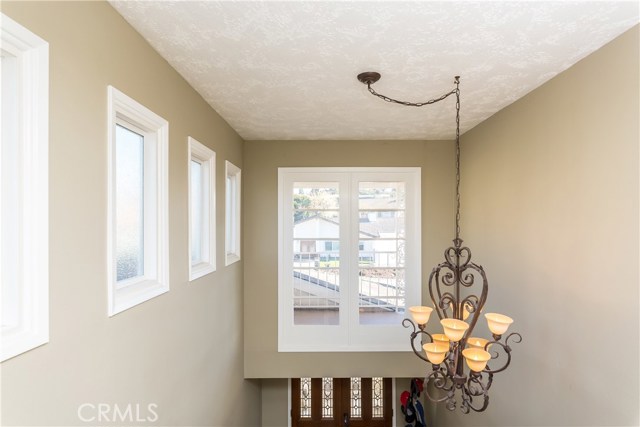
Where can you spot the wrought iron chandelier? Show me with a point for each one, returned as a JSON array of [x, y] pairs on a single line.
[[453, 286]]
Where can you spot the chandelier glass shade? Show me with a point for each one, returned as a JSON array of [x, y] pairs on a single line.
[[458, 289]]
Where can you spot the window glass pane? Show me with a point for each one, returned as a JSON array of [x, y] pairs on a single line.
[[327, 398], [232, 241], [316, 253], [196, 198], [315, 195], [382, 195], [377, 397], [356, 398], [129, 171], [305, 397], [381, 252], [381, 224], [10, 181], [228, 215]]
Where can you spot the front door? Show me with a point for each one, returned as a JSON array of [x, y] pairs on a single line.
[[341, 402]]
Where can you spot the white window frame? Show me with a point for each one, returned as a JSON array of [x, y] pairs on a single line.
[[348, 335], [128, 293], [233, 197], [206, 157], [31, 329]]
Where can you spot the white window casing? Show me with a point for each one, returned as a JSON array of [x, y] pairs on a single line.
[[328, 257], [125, 112], [24, 202], [202, 210], [233, 195]]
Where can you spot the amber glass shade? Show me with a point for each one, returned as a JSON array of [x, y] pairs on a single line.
[[476, 359], [420, 314], [454, 329], [498, 323], [479, 343], [440, 339], [435, 352]]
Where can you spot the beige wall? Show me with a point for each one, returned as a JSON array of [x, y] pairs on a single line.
[[260, 178], [550, 208], [182, 350]]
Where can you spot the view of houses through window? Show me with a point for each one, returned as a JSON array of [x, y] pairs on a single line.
[[317, 252]]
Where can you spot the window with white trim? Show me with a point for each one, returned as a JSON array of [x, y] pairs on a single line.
[[349, 257], [232, 213], [24, 194], [138, 229], [202, 210]]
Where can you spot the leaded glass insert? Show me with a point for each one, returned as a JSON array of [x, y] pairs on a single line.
[[305, 397], [356, 397], [327, 398], [377, 400]]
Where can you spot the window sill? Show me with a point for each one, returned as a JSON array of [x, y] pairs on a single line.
[[201, 269], [232, 258], [132, 295]]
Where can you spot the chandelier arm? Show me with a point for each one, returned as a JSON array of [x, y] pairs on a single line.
[[507, 349], [485, 403], [439, 381], [414, 335], [469, 391], [409, 104]]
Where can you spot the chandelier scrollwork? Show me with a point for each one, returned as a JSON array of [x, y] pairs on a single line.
[[458, 289]]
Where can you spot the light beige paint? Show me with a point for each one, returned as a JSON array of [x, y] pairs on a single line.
[[182, 350], [260, 176], [550, 208]]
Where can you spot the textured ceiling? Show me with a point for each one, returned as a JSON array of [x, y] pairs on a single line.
[[287, 70]]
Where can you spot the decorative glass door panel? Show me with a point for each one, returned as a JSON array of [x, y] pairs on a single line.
[[341, 402]]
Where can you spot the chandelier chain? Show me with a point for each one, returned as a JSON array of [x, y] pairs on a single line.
[[457, 92], [409, 104]]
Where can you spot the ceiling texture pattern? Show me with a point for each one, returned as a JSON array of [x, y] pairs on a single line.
[[287, 70]]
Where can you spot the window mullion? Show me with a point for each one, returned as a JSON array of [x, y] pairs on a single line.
[[346, 299]]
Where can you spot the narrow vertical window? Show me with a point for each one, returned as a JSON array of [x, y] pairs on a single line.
[[356, 397], [327, 397], [232, 213], [24, 202], [377, 397], [138, 203], [202, 221], [305, 397]]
